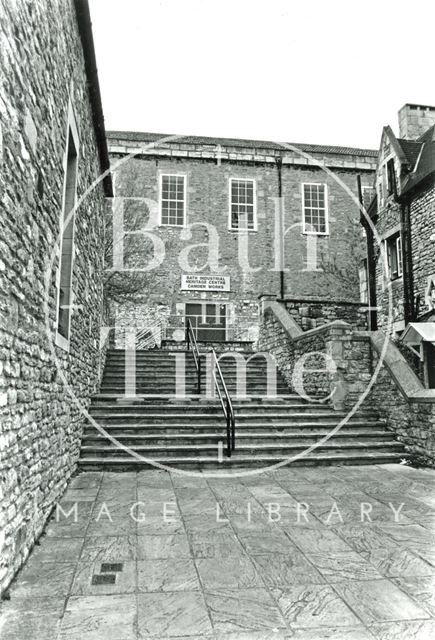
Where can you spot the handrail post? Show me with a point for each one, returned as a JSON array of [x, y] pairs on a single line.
[[199, 374], [187, 336], [233, 433], [228, 428]]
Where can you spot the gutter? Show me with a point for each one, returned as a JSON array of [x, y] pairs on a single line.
[[85, 31]]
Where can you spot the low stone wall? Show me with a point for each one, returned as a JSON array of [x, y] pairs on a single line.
[[406, 407], [394, 391], [311, 313], [301, 357]]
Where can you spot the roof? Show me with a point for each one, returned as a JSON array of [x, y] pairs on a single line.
[[136, 136], [417, 332], [85, 31], [411, 149], [425, 164]]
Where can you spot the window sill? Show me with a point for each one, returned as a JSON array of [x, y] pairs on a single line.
[[62, 342], [242, 230], [315, 233]]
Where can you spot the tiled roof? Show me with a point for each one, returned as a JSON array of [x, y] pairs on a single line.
[[411, 149], [426, 161], [133, 136]]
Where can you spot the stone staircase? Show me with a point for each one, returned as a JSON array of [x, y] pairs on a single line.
[[190, 431]]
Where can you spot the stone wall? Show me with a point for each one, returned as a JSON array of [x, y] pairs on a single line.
[[312, 313], [394, 391], [42, 64], [289, 350], [423, 241], [249, 259]]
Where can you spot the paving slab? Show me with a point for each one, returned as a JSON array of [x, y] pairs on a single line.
[[225, 565]]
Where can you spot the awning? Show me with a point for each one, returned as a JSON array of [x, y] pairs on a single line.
[[418, 332]]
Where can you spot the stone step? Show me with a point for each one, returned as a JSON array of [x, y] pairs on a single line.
[[192, 398], [219, 424], [207, 411], [236, 461], [248, 437], [278, 449]]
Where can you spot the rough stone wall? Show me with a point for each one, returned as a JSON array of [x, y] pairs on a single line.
[[287, 352], [208, 202], [42, 67], [310, 313], [423, 247], [411, 420], [389, 218]]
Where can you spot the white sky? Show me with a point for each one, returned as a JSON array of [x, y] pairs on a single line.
[[313, 71]]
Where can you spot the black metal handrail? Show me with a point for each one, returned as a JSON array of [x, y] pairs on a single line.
[[227, 405], [192, 343]]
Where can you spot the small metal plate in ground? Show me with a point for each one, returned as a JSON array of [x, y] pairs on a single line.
[[107, 578], [111, 567]]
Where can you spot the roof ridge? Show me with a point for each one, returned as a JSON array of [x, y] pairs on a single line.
[[268, 144]]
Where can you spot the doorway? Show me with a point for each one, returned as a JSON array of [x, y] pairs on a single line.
[[429, 364], [208, 320]]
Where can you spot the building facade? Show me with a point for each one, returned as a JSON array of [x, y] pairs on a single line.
[[223, 222], [404, 216], [52, 148]]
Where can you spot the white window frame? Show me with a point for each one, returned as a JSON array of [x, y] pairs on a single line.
[[71, 127], [304, 225], [255, 219], [172, 175], [399, 255]]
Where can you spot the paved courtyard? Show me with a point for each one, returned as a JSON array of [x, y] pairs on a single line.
[[303, 553]]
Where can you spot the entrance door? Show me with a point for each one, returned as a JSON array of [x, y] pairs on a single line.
[[208, 320], [429, 360]]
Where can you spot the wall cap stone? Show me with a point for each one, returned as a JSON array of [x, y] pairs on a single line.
[[404, 377]]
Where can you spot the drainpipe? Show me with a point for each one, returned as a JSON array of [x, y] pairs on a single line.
[[371, 264], [407, 266], [278, 160]]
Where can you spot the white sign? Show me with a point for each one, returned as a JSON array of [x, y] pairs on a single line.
[[205, 283]]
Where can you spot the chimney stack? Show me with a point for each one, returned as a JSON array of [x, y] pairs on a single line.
[[414, 120]]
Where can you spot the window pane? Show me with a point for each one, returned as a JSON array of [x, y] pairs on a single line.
[[172, 200], [242, 204]]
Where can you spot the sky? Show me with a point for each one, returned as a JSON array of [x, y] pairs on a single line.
[[311, 71]]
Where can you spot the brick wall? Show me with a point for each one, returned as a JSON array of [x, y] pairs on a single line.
[[42, 67], [208, 202]]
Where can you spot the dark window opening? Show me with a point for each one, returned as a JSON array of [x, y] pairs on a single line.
[[394, 256], [67, 245], [391, 177]]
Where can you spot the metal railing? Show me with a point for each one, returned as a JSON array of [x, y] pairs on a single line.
[[191, 343], [227, 405], [224, 396]]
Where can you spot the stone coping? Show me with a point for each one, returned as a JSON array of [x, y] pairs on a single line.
[[404, 377], [406, 380]]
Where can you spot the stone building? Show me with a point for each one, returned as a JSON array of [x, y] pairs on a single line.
[[52, 148], [404, 215], [216, 210]]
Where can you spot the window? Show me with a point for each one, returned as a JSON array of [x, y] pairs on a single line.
[[368, 193], [243, 214], [391, 177], [363, 282], [315, 209], [394, 256], [173, 200], [65, 294], [381, 193]]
